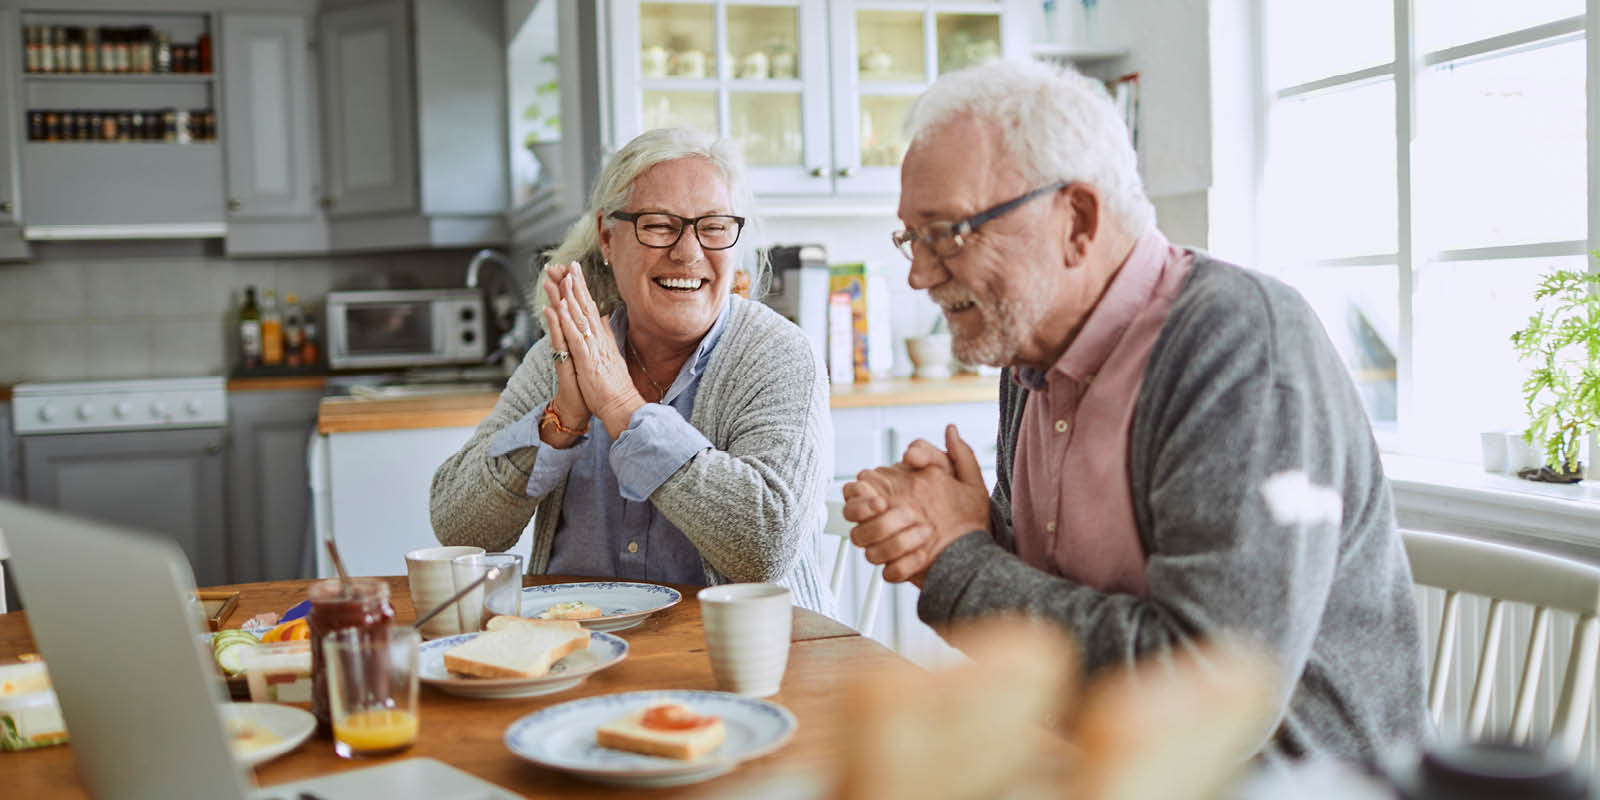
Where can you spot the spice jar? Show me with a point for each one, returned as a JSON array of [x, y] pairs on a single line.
[[362, 604]]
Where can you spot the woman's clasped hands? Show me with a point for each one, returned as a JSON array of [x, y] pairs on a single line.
[[591, 376]]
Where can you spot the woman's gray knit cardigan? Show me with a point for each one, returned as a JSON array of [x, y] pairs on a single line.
[[754, 506]]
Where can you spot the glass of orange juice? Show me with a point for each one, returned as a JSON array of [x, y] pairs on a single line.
[[372, 689]]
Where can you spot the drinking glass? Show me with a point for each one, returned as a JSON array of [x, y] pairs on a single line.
[[501, 595], [372, 689]]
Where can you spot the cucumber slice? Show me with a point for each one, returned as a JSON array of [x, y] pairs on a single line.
[[231, 656], [223, 638]]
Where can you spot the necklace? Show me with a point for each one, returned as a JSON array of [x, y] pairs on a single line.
[[660, 392]]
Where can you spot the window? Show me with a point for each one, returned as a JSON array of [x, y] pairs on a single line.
[[1425, 162]]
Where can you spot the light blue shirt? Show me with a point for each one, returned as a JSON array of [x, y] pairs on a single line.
[[609, 527]]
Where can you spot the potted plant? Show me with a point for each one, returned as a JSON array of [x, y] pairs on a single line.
[[1562, 340], [544, 140]]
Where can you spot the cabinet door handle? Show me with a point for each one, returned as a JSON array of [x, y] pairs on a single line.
[[5, 206], [847, 172], [233, 205], [213, 449], [326, 201], [817, 172]]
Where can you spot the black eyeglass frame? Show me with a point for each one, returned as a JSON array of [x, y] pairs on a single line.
[[685, 223], [905, 238]]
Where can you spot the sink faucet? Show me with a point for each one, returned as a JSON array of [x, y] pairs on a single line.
[[516, 341]]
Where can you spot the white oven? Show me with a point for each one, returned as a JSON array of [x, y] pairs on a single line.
[[404, 328]]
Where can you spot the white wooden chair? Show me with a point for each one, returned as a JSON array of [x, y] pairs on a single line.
[[1506, 574], [839, 526]]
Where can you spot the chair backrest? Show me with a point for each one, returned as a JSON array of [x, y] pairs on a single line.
[[1507, 574], [839, 526]]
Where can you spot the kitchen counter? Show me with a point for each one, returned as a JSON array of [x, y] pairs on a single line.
[[283, 383], [358, 414]]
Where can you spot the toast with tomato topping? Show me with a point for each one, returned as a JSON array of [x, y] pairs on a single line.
[[671, 730]]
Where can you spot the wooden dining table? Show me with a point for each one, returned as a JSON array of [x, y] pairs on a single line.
[[667, 651]]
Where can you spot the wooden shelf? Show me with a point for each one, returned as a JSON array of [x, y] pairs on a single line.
[[120, 77]]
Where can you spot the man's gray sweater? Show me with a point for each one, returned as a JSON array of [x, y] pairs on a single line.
[[1262, 509]]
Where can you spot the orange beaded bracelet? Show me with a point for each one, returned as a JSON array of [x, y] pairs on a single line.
[[549, 418]]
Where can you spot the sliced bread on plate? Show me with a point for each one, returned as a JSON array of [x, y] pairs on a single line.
[[516, 651], [671, 730]]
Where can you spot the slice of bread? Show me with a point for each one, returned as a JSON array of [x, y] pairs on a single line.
[[503, 621], [626, 733], [516, 651], [572, 609]]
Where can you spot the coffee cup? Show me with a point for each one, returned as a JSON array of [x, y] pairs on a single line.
[[689, 64], [747, 635], [432, 583], [754, 67], [653, 61]]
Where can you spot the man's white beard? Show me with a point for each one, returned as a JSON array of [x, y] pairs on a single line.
[[998, 337]]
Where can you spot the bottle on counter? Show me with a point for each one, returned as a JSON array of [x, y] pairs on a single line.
[[250, 330], [293, 332], [308, 341], [271, 330]]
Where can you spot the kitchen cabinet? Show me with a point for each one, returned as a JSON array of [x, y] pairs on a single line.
[[10, 477], [268, 481], [372, 126], [815, 92], [170, 482], [12, 245]]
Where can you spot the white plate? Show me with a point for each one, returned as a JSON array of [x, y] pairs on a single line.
[[562, 737], [292, 726], [603, 651], [624, 604]]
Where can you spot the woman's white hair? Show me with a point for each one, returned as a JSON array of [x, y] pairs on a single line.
[[1056, 124], [613, 190]]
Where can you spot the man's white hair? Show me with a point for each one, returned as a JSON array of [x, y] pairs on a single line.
[[1056, 124]]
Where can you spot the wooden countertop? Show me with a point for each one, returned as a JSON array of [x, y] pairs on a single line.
[[356, 415], [276, 383]]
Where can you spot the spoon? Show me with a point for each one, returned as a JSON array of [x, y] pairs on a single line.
[[338, 564], [491, 574]]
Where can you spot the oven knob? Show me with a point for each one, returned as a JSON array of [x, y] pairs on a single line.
[[122, 409], [85, 412], [467, 314], [47, 413], [469, 337], [160, 410], [193, 407]]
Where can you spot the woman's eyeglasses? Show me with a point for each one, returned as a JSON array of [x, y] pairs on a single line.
[[946, 239], [660, 229]]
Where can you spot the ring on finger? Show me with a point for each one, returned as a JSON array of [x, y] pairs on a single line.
[[560, 356]]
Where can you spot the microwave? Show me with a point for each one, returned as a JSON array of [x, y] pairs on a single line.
[[404, 328]]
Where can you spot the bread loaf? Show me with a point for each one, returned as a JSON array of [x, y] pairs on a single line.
[[629, 732], [515, 651], [503, 621]]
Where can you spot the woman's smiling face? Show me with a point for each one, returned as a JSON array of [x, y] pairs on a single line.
[[672, 293]]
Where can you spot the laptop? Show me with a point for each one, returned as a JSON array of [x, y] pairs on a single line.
[[141, 701]]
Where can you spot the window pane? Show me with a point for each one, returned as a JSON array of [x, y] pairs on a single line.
[[1446, 23], [1359, 308], [680, 110], [677, 40], [882, 143], [1330, 175], [767, 126], [967, 39], [1500, 150], [1467, 377], [890, 46], [763, 41], [1307, 41]]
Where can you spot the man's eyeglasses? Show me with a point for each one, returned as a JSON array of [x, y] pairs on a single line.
[[946, 239], [661, 230]]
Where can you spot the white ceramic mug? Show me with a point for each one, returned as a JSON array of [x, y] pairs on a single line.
[[690, 64], [653, 61], [432, 583], [747, 635]]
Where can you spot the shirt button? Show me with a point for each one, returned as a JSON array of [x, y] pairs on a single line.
[[1050, 526], [633, 547], [1062, 426]]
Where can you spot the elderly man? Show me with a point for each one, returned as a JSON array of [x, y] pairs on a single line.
[[1182, 453]]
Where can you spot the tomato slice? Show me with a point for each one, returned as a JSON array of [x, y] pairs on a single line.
[[674, 718]]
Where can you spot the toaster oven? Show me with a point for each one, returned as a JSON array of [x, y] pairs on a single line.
[[404, 328]]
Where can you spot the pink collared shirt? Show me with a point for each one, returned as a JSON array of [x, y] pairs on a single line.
[[1072, 509]]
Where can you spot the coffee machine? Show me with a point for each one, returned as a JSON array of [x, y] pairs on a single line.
[[799, 289]]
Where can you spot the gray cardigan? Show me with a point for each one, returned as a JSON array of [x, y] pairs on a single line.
[[1262, 508], [753, 507]]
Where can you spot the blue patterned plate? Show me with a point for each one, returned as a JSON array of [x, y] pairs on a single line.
[[604, 650], [624, 605], [562, 737]]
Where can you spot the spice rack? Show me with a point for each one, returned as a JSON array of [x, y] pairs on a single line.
[[126, 137]]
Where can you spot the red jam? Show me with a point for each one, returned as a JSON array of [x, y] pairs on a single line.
[[361, 603], [674, 718]]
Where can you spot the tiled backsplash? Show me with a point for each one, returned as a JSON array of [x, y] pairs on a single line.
[[101, 310]]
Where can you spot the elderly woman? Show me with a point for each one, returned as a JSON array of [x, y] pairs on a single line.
[[665, 429]]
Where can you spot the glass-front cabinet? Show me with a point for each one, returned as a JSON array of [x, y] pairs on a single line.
[[816, 93]]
